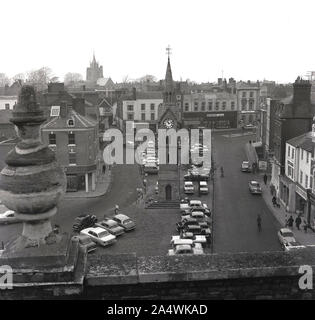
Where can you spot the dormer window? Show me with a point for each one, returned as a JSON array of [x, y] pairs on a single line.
[[70, 122]]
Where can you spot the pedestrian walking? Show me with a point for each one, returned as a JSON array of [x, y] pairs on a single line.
[[290, 222], [265, 179], [298, 222], [116, 209]]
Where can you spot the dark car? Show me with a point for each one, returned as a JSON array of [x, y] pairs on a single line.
[[254, 187], [84, 221], [194, 229]]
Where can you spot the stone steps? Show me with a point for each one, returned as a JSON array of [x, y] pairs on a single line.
[[163, 204]]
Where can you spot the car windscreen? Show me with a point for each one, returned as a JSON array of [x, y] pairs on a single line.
[[287, 234], [103, 234], [127, 221]]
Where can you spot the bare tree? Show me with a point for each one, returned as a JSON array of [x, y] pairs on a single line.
[[4, 79], [19, 76], [125, 79], [147, 78], [39, 77], [72, 77]]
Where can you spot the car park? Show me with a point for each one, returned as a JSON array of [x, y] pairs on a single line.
[[245, 166], [99, 235], [111, 226], [254, 187], [124, 221], [285, 235], [189, 187]]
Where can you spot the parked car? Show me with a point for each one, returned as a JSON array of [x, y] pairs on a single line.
[[87, 242], [194, 229], [245, 166], [186, 249], [177, 240], [195, 203], [254, 187], [190, 236], [184, 208], [99, 235], [111, 226], [151, 167], [124, 221], [290, 246], [8, 216], [285, 235], [203, 187], [189, 187], [84, 221]]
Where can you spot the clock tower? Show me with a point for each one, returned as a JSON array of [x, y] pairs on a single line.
[[170, 112], [169, 116]]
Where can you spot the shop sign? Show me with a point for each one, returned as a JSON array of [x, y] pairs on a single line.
[[301, 192]]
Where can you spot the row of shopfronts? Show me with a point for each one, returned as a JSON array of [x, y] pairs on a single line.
[[297, 199]]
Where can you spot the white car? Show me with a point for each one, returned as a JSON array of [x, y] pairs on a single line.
[[188, 236], [203, 187], [186, 249], [7, 216], [124, 221], [195, 203], [290, 246], [285, 236], [184, 208], [189, 187], [111, 226], [99, 235]]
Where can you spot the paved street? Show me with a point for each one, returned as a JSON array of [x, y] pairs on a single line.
[[235, 226]]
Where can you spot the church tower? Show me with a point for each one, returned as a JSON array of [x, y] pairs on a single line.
[[94, 72]]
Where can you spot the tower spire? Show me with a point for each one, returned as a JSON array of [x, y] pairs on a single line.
[[168, 75]]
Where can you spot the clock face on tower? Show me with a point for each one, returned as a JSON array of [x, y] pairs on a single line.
[[168, 123]]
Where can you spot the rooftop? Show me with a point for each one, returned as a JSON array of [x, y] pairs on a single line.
[[303, 141]]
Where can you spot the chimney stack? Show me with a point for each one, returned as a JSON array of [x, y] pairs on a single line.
[[301, 91], [63, 109]]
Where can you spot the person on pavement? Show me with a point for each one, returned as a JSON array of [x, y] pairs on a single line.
[[265, 179], [298, 222], [290, 222]]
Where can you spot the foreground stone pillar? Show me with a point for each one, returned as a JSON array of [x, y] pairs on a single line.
[[32, 183], [48, 263]]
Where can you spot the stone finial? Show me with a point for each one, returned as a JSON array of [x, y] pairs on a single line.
[[32, 183]]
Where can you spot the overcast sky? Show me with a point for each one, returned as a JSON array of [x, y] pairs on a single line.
[[247, 39]]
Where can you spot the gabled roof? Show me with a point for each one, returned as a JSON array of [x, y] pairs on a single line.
[[304, 141], [60, 122]]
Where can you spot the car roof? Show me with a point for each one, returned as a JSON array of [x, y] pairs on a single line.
[[286, 230], [254, 182], [184, 246], [121, 216]]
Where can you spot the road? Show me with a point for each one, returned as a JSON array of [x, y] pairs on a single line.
[[235, 226], [122, 192]]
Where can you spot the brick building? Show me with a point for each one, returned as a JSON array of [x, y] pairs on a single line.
[[293, 117], [74, 138]]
